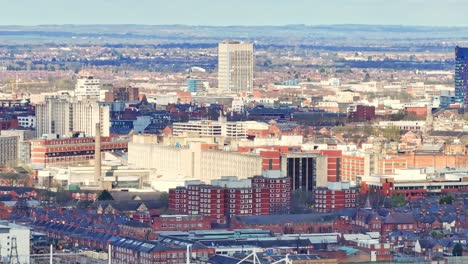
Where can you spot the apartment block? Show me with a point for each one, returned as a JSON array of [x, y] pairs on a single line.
[[230, 196]]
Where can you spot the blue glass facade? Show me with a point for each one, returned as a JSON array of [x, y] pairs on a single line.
[[194, 85], [461, 76]]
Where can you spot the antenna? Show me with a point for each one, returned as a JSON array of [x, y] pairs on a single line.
[[14, 252]]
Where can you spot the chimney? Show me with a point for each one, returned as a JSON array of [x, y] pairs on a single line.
[[97, 155]]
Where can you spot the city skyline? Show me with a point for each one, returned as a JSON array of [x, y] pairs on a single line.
[[262, 12]]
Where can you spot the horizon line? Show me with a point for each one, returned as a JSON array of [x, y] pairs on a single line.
[[238, 25]]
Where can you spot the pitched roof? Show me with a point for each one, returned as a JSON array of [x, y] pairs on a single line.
[[399, 218]]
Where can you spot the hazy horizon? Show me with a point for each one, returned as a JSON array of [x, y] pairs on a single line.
[[432, 13]]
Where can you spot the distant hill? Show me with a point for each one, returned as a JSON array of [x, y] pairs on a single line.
[[287, 34]]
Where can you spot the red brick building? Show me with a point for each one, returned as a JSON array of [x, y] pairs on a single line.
[[122, 94], [71, 150], [128, 251], [361, 112], [337, 196], [288, 224], [6, 124], [333, 164], [228, 197], [417, 110], [180, 223]]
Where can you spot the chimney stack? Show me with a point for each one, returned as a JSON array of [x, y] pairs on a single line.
[[97, 155]]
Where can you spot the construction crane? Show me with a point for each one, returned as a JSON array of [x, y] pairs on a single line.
[[14, 84]]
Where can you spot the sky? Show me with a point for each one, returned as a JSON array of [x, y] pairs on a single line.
[[235, 12]]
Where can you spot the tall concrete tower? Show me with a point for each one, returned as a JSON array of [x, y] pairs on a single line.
[[97, 155], [235, 66]]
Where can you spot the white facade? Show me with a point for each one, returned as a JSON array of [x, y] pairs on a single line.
[[404, 125], [176, 163], [86, 114], [8, 233], [207, 128], [27, 121], [235, 66], [53, 117], [62, 117], [215, 164], [87, 87]]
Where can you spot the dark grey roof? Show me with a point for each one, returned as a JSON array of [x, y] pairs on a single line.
[[399, 218], [457, 134], [282, 219]]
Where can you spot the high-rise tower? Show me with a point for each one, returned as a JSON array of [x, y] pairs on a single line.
[[461, 76], [235, 66]]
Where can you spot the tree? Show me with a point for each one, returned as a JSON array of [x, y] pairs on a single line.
[[446, 200], [397, 116], [437, 234], [392, 133], [398, 200], [164, 199], [105, 196], [457, 250], [301, 200]]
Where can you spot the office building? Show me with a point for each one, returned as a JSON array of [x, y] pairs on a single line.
[[196, 85], [24, 145], [8, 151], [361, 112], [62, 117], [307, 171], [87, 87], [208, 128], [86, 114], [122, 94], [235, 66], [461, 76], [53, 117], [45, 152]]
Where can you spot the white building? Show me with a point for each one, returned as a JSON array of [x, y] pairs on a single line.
[[235, 66], [208, 128], [86, 114], [63, 117], [173, 164], [53, 117], [404, 125], [87, 87], [27, 121], [11, 235]]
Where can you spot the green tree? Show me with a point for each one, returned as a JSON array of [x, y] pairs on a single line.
[[398, 200], [397, 116], [457, 250], [301, 200], [164, 199], [446, 200], [105, 196], [437, 234], [392, 133]]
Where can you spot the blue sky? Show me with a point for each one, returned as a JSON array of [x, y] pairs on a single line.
[[235, 12]]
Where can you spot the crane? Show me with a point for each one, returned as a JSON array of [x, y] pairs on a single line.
[[14, 84]]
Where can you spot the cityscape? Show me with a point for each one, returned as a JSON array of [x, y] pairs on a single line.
[[242, 137]]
